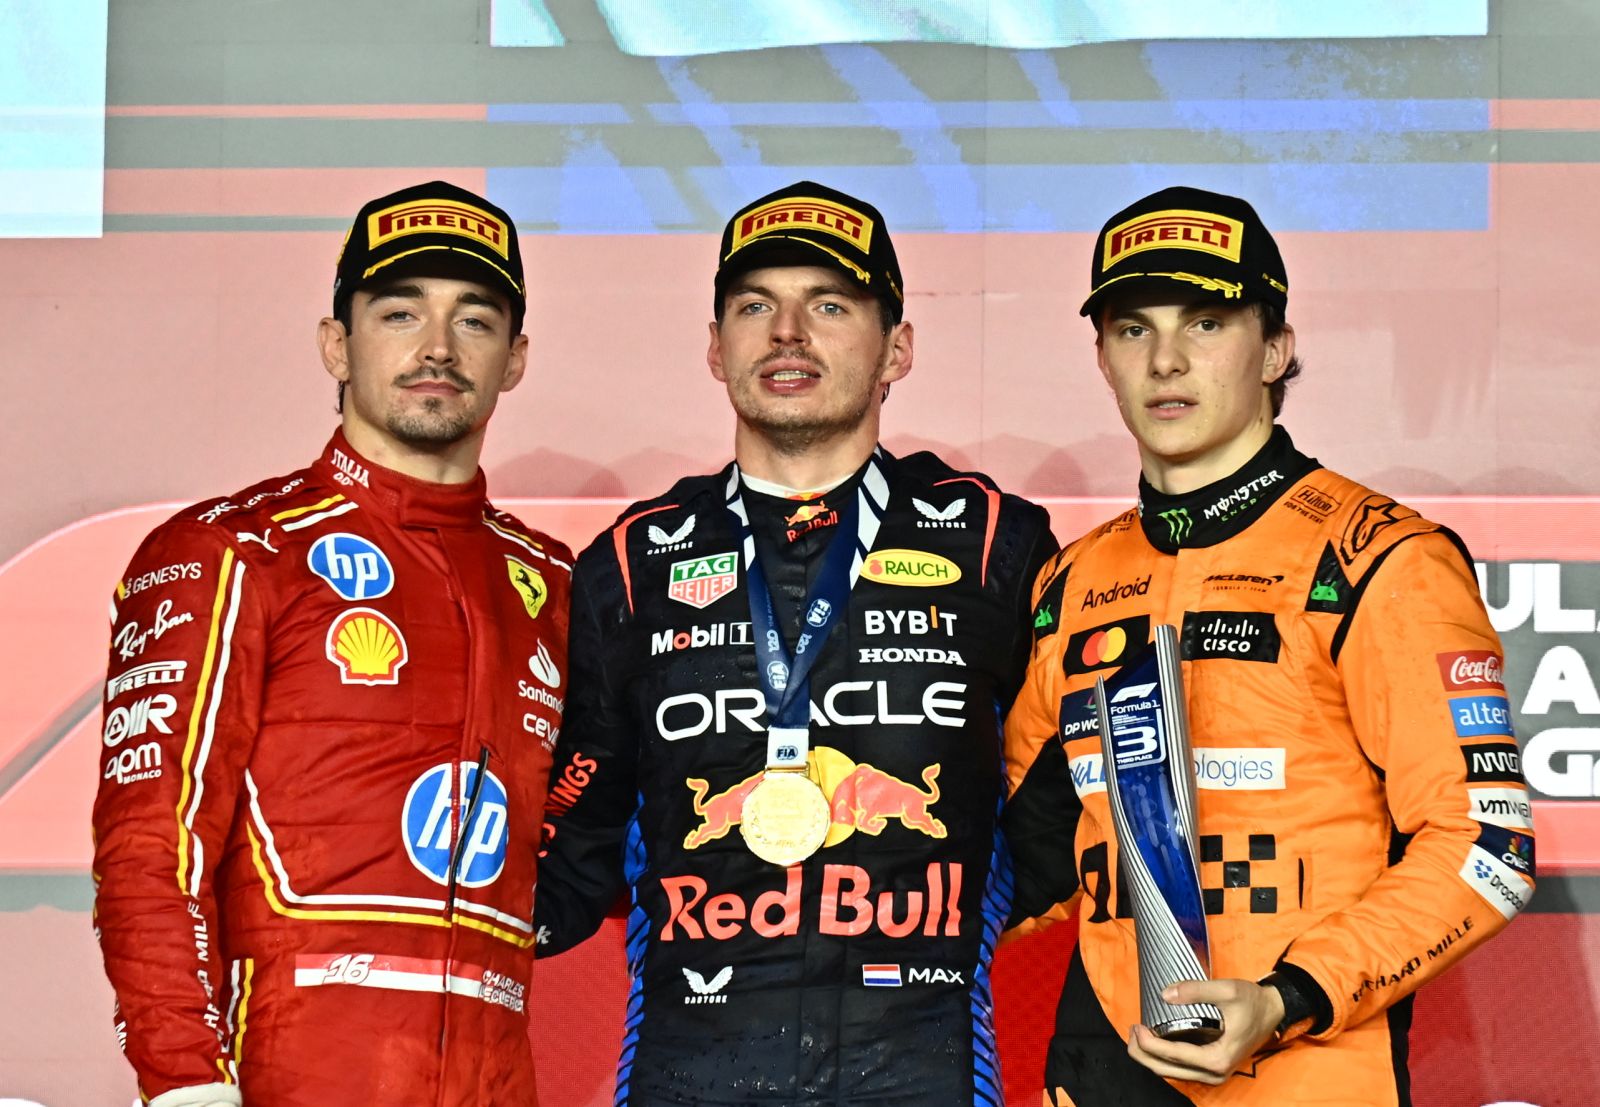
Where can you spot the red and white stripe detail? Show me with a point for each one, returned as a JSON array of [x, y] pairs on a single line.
[[408, 974]]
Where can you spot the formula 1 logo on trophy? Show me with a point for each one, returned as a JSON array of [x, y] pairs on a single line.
[[1149, 775]]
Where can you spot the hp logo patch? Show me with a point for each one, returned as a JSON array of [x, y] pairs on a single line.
[[352, 566], [430, 816]]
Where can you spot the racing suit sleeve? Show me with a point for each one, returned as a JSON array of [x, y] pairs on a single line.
[[1041, 814], [182, 708], [593, 788], [1443, 755]]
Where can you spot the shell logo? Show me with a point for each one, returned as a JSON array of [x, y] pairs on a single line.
[[367, 647]]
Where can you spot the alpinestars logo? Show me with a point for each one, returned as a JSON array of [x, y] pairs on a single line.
[[948, 516], [1179, 524], [662, 541], [704, 992]]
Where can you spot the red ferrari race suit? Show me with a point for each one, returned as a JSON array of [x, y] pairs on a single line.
[[859, 975], [1363, 821], [330, 711]]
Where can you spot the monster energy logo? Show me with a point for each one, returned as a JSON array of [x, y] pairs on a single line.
[[1179, 524]]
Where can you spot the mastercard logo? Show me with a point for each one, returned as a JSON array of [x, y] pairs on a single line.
[[1102, 646]]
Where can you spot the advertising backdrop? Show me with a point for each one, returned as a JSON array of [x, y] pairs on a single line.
[[1430, 169]]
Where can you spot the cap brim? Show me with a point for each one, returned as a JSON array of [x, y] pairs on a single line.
[[1199, 286], [445, 260], [781, 251]]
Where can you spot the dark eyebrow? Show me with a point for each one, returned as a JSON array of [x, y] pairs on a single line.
[[404, 290], [826, 288]]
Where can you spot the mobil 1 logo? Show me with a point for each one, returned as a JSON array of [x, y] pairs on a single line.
[[1547, 614]]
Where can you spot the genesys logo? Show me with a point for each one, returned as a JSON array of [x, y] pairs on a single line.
[[1252, 769], [155, 578], [852, 904], [1472, 671]]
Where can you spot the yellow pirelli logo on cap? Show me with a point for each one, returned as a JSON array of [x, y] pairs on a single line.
[[1174, 230], [438, 217], [795, 213]]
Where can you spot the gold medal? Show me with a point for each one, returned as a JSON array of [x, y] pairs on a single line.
[[786, 817]]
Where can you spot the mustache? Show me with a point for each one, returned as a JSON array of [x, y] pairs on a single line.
[[791, 353], [435, 372]]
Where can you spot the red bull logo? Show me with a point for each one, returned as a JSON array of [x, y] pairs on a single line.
[[869, 797], [849, 907], [860, 797], [719, 814]]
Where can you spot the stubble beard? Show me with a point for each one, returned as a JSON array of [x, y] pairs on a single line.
[[796, 432], [433, 426]]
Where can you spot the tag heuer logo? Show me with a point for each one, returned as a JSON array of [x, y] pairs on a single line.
[[701, 581]]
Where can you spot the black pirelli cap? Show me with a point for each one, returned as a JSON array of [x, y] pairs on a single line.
[[437, 229], [812, 224], [1201, 240]]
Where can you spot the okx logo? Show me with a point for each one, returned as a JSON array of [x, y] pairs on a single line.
[[436, 805]]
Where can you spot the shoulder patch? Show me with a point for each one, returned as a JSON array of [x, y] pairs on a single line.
[[1369, 520]]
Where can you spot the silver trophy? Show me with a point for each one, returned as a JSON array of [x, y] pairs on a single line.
[[1149, 775]]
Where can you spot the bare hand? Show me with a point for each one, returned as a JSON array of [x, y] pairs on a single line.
[[1250, 1014]]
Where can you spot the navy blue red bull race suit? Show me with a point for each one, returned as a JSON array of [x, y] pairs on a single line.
[[754, 983]]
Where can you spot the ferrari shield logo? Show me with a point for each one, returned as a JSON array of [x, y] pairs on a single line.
[[700, 581], [529, 585]]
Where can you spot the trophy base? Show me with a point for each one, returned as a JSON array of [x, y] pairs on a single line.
[[1194, 1030]]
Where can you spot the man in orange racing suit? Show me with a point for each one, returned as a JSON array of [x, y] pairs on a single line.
[[1363, 820], [323, 779]]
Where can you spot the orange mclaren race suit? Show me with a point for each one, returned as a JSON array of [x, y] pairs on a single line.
[[1363, 820], [330, 712], [859, 976]]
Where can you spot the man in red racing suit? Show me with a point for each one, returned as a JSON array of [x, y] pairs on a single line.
[[1363, 821], [325, 758]]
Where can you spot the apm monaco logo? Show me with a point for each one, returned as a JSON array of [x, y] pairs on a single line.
[[702, 581], [948, 516]]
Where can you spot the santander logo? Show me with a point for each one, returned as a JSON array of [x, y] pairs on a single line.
[[1474, 669]]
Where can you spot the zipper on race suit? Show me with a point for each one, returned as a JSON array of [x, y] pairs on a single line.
[[464, 827]]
